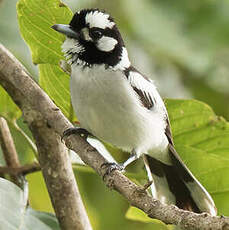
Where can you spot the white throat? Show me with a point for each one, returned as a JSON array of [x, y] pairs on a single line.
[[71, 48]]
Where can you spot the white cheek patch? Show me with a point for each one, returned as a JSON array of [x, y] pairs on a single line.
[[69, 47], [106, 43], [98, 19]]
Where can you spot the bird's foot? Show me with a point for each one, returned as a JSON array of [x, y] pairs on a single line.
[[78, 131], [110, 167]]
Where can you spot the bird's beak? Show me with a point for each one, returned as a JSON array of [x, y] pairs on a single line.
[[66, 30]]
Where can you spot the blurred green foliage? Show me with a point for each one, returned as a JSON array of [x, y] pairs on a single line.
[[182, 45]]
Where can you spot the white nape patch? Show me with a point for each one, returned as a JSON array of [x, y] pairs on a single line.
[[98, 19], [106, 43], [124, 61]]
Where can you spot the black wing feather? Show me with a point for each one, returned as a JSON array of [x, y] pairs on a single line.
[[145, 97]]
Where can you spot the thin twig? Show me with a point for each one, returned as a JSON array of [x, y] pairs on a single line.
[[23, 170], [36, 104], [9, 150]]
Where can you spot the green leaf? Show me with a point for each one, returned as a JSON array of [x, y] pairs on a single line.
[[25, 147], [56, 84], [35, 23], [195, 124], [11, 113], [222, 201], [8, 108], [37, 185], [46, 218], [15, 215], [208, 167], [138, 215], [202, 140]]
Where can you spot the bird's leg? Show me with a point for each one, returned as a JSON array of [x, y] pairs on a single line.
[[111, 166], [78, 131], [131, 159]]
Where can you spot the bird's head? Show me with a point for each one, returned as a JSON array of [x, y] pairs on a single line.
[[92, 37]]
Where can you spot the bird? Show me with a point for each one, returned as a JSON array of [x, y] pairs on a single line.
[[119, 105]]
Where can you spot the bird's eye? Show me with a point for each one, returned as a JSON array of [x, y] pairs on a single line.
[[96, 34]]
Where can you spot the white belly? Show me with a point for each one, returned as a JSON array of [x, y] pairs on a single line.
[[106, 106]]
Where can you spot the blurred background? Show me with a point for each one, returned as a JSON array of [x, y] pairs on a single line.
[[182, 45]]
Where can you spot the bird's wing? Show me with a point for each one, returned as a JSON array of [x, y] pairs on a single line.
[[143, 86], [177, 176], [148, 95]]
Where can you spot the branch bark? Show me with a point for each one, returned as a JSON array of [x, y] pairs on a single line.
[[37, 106], [53, 155], [9, 150], [23, 170]]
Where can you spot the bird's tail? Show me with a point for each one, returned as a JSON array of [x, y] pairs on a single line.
[[175, 184]]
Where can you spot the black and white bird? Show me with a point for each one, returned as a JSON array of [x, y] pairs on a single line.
[[117, 104]]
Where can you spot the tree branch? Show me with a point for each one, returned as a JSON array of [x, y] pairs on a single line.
[[53, 155], [9, 150], [23, 170], [37, 106]]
